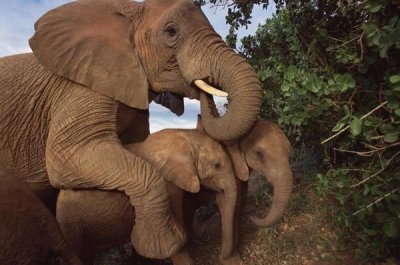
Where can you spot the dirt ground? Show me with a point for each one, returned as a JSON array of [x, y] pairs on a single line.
[[306, 235]]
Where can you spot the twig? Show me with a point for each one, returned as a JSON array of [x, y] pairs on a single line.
[[361, 46], [356, 169], [347, 42], [360, 153], [377, 173], [368, 153], [347, 127], [376, 201]]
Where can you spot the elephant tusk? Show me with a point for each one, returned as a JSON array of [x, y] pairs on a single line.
[[209, 89]]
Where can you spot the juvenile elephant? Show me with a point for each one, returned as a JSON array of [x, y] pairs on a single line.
[[265, 149], [94, 220], [94, 63], [29, 233]]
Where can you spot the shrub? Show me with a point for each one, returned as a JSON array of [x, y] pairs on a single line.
[[331, 74]]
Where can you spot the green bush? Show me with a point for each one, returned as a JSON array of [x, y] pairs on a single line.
[[331, 71]]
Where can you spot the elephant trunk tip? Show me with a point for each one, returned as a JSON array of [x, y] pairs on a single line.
[[279, 205], [263, 222]]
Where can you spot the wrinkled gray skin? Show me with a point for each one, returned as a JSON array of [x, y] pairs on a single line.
[[94, 220], [96, 63], [29, 233]]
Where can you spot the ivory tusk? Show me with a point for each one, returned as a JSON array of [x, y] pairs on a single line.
[[209, 89]]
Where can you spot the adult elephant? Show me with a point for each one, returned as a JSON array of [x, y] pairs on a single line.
[[94, 63]]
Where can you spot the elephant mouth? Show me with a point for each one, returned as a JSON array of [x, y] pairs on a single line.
[[209, 93], [208, 100]]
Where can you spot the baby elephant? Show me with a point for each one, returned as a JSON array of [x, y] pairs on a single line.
[[28, 231], [94, 220]]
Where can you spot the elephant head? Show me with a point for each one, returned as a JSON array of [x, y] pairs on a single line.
[[188, 158], [125, 49], [265, 149]]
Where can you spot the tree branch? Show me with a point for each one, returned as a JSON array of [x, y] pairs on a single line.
[[347, 127], [376, 201]]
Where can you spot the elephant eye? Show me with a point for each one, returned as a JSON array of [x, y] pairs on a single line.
[[259, 155], [217, 165], [171, 30]]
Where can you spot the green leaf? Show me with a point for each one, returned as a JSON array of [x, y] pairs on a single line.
[[285, 86], [355, 126], [383, 51], [339, 184], [366, 189], [390, 229], [394, 79], [391, 137], [396, 87], [338, 126], [370, 232], [375, 7], [346, 110], [297, 120], [393, 105]]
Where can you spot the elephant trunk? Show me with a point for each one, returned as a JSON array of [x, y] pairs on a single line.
[[227, 204], [282, 185], [219, 66]]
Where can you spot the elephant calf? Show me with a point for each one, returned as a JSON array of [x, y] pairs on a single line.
[[28, 231], [94, 220]]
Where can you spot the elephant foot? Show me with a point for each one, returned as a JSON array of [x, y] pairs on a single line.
[[234, 259], [157, 240], [182, 258]]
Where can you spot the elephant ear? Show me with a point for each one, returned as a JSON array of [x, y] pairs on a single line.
[[238, 161], [171, 101], [90, 42]]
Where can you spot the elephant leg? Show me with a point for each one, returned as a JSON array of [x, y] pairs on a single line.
[[182, 257], [241, 202], [73, 226], [176, 195], [233, 258], [83, 151]]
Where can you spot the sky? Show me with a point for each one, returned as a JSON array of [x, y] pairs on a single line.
[[17, 18]]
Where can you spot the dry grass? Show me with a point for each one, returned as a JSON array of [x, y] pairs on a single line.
[[307, 235]]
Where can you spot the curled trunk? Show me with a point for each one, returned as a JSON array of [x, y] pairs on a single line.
[[218, 65]]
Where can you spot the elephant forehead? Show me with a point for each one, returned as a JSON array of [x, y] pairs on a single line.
[[215, 155], [266, 135], [179, 11]]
